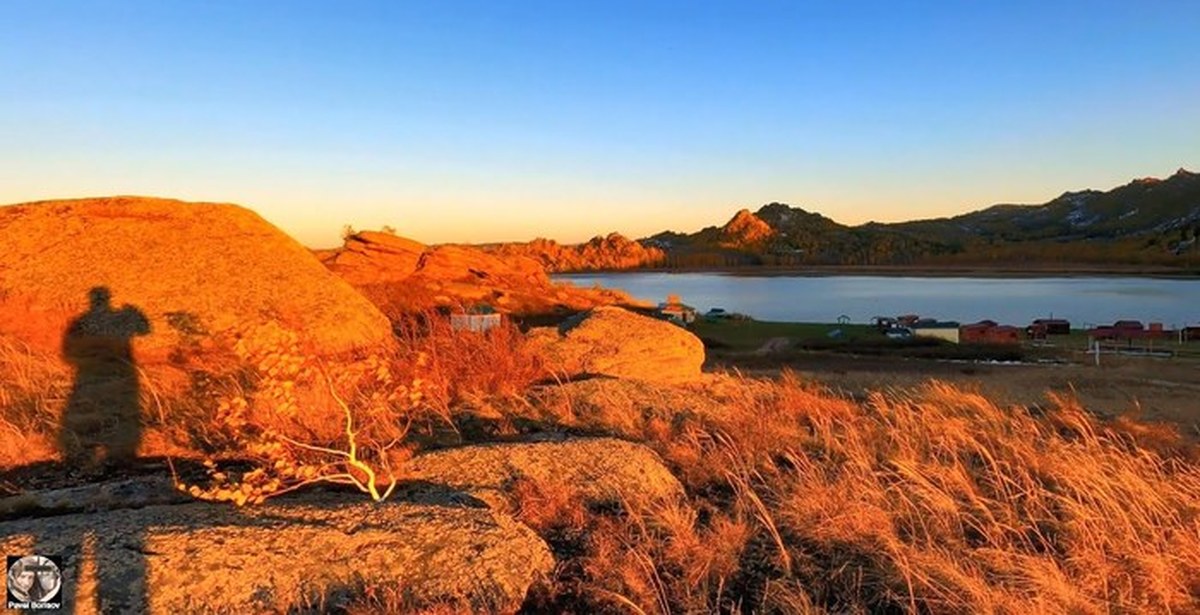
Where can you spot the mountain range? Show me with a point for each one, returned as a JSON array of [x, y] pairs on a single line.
[[1147, 222]]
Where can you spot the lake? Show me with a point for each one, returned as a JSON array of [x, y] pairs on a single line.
[[1084, 301]]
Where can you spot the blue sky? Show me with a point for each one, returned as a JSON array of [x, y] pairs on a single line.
[[456, 121]]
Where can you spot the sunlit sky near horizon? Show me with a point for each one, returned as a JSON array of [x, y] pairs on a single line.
[[499, 121]]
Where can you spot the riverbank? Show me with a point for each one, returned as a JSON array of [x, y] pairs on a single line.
[[922, 271]]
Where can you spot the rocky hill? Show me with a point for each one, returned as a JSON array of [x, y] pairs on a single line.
[[1146, 206], [408, 275], [1149, 222], [778, 234]]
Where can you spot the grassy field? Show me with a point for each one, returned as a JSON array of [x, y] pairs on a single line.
[[750, 335], [862, 360], [733, 337], [755, 343]]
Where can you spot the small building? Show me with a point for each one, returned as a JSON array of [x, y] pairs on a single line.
[[676, 311], [975, 333], [1127, 330], [1004, 334], [1051, 326], [478, 319], [940, 330], [989, 332]]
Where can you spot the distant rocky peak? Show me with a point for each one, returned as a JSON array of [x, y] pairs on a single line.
[[743, 219], [746, 228]]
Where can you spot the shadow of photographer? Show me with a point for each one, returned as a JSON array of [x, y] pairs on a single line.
[[102, 422], [100, 432]]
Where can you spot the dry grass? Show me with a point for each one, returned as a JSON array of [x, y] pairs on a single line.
[[799, 500], [31, 394], [928, 501], [464, 367]]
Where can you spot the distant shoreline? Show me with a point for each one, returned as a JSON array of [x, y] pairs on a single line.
[[947, 271]]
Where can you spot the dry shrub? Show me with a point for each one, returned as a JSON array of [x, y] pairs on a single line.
[[467, 367], [924, 500], [298, 420]]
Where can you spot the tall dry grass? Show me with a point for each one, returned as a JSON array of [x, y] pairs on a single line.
[[465, 368], [930, 500], [32, 392]]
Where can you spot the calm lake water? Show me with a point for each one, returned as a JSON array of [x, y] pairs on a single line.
[[1082, 300]]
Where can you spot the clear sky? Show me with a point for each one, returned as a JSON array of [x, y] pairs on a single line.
[[499, 120]]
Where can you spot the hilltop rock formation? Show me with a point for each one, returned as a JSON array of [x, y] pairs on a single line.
[[404, 275], [611, 252], [182, 268], [371, 256], [746, 230], [306, 552], [611, 341]]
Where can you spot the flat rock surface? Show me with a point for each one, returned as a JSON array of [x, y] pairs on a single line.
[[109, 495], [611, 341], [307, 552], [598, 469]]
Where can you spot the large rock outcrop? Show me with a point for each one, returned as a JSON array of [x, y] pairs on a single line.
[[402, 275], [610, 252], [611, 341], [180, 268], [372, 256], [310, 552]]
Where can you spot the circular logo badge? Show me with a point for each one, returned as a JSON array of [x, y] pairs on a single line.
[[33, 578]]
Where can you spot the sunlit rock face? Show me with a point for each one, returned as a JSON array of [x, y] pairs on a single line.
[[287, 556], [610, 341], [403, 275], [597, 470], [152, 271]]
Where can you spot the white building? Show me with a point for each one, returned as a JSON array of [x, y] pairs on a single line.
[[477, 319]]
